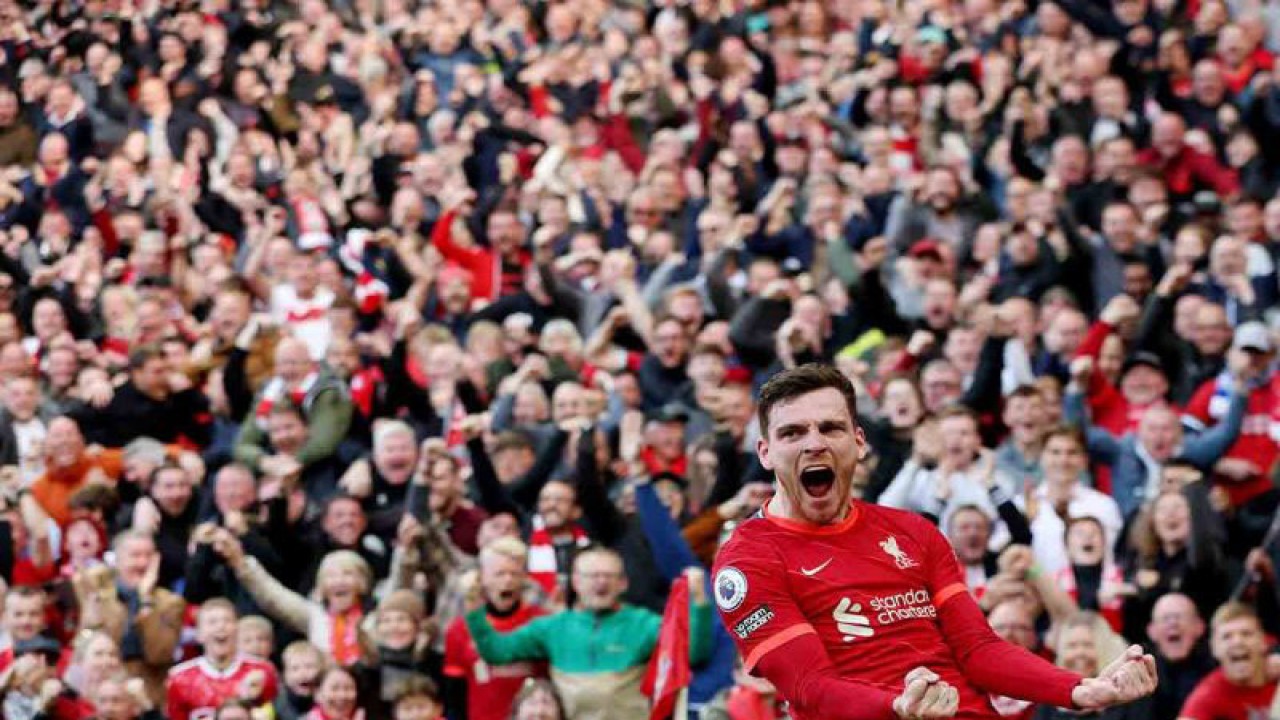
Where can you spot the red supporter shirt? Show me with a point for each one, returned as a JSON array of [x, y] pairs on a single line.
[[1257, 440], [1217, 699], [490, 690], [871, 589], [195, 689]]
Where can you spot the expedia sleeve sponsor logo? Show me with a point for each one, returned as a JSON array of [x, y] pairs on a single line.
[[753, 622]]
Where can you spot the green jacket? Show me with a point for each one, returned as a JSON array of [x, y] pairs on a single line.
[[328, 409], [597, 660]]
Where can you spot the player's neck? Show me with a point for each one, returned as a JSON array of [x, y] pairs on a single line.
[[222, 661]]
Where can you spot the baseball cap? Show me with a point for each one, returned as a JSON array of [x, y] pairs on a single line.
[[1142, 357], [931, 34], [1253, 335], [671, 412], [39, 645], [926, 248], [668, 476]]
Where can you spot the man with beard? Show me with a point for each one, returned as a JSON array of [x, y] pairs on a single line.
[[934, 212], [1182, 660], [197, 688], [497, 265], [1239, 689], [382, 481], [831, 636], [473, 689]]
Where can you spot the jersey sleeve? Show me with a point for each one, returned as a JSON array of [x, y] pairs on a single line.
[[271, 687], [755, 604], [987, 661], [175, 707]]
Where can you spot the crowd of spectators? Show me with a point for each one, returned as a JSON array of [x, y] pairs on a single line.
[[392, 358]]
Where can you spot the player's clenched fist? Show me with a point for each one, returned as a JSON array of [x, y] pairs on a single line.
[[1129, 677], [926, 696]]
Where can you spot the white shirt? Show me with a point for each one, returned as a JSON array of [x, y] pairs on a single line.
[[1049, 538], [913, 489], [307, 320], [30, 436]]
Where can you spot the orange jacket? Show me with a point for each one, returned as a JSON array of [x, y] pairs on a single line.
[[54, 489]]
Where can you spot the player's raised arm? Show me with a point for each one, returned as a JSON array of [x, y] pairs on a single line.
[[1003, 668]]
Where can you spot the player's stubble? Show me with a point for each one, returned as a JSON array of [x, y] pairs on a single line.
[[809, 431]]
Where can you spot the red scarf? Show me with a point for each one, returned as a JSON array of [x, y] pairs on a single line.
[[364, 386], [344, 636], [276, 390], [1111, 609], [542, 553]]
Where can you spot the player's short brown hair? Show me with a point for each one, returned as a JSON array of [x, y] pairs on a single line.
[[803, 380]]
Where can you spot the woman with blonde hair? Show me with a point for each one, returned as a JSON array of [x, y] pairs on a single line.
[[1086, 644], [331, 618], [1173, 547], [95, 658]]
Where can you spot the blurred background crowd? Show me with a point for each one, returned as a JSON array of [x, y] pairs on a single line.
[[393, 358]]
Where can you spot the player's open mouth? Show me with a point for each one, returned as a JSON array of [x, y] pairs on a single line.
[[818, 481]]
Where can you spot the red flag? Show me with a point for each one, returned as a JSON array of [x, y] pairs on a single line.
[[668, 671]]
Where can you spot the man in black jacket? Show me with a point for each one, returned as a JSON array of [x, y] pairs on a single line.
[[234, 493], [155, 403], [1182, 658]]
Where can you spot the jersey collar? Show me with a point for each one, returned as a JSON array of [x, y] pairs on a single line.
[[807, 528]]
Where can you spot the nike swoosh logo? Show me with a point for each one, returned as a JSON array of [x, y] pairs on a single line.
[[815, 571]]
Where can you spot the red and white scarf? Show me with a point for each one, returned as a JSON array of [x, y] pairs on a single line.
[[1111, 608], [277, 389], [542, 553]]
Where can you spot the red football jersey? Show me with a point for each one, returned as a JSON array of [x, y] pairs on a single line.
[[490, 689], [1217, 699], [196, 689], [869, 587], [1259, 433]]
